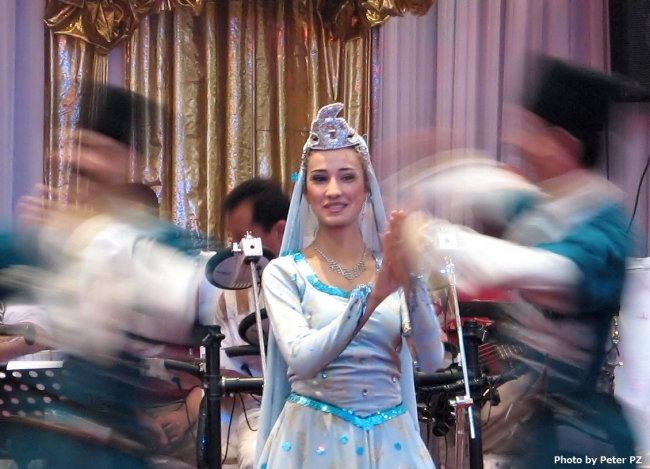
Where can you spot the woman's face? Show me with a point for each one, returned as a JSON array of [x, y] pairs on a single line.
[[336, 186]]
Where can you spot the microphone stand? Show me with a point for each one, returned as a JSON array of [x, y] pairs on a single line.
[[253, 251], [214, 385], [466, 406]]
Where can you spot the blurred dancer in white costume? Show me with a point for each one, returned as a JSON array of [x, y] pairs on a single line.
[[562, 255]]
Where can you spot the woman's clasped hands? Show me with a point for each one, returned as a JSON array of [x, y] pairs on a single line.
[[396, 267]]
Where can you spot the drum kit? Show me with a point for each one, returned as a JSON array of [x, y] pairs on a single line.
[[240, 267]]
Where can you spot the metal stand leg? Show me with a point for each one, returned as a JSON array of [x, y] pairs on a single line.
[[214, 384], [473, 337], [461, 438], [213, 391]]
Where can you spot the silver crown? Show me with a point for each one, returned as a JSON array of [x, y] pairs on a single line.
[[329, 132]]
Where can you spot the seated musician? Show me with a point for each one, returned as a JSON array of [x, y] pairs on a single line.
[[260, 207]]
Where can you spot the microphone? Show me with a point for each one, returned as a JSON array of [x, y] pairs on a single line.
[[27, 331]]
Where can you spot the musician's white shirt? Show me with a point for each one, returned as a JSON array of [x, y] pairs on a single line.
[[33, 314], [233, 306], [20, 313]]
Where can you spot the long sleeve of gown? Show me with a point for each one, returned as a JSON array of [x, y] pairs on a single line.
[[426, 332], [306, 350]]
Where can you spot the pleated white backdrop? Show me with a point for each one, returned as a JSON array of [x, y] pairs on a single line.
[[455, 69]]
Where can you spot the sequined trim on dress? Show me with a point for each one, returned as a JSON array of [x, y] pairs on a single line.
[[365, 423]]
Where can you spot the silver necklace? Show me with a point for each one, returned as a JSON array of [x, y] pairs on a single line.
[[349, 274]]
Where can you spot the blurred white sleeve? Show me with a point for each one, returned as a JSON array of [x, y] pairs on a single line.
[[208, 293], [482, 261], [166, 283], [113, 281]]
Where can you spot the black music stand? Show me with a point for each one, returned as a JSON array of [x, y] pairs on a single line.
[[71, 412], [38, 421], [30, 389]]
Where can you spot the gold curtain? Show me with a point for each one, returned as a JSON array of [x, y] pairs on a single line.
[[347, 19], [69, 62], [242, 82], [240, 79], [106, 23]]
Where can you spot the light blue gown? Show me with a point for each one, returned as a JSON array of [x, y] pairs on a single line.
[[352, 400]]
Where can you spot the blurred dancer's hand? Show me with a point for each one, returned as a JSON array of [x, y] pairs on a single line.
[[96, 162], [34, 209], [43, 209]]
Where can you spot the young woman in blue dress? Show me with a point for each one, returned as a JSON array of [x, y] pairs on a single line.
[[344, 317]]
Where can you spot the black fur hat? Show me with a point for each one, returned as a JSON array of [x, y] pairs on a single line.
[[576, 99], [117, 113]]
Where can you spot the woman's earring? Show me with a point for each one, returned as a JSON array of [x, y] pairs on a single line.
[[363, 209], [312, 216]]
